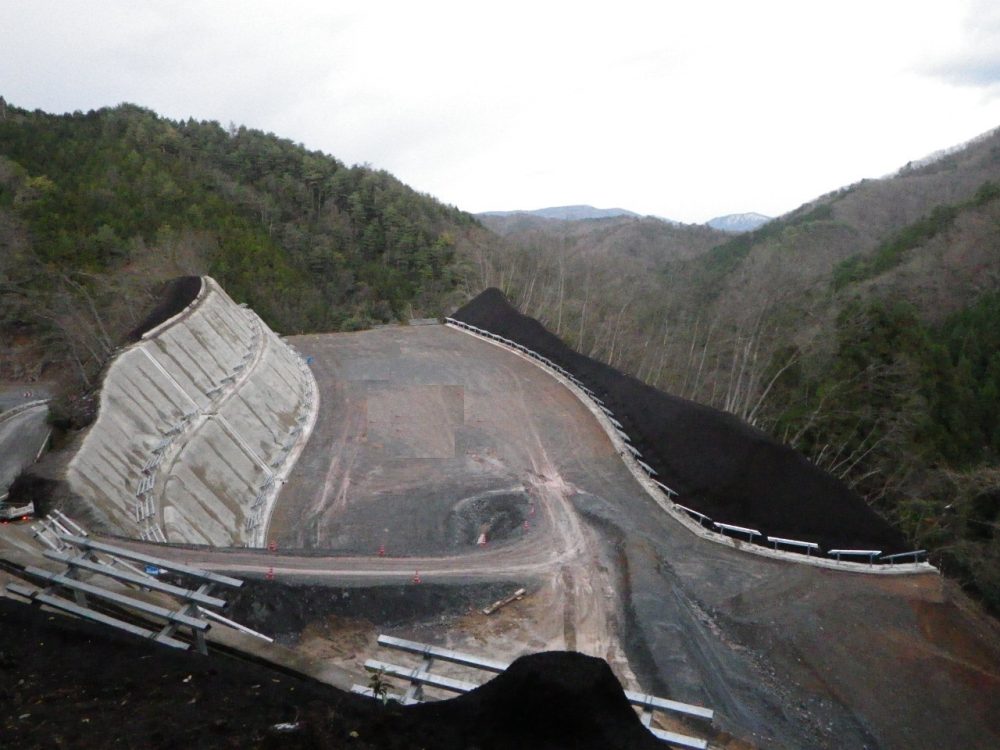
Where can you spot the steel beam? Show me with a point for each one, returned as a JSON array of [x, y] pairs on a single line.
[[88, 544], [137, 580]]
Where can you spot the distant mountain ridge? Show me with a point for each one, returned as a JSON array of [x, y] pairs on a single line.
[[860, 328], [732, 223], [567, 213], [736, 223]]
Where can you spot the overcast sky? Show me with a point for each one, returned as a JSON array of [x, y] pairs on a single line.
[[686, 110]]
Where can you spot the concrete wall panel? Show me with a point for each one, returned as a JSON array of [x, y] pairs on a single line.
[[194, 423], [265, 409]]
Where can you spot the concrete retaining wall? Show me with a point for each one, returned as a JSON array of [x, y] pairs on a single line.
[[198, 423]]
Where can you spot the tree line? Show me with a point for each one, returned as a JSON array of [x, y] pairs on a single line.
[[897, 399], [99, 208]]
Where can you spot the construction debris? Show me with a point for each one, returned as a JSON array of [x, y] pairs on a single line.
[[519, 594]]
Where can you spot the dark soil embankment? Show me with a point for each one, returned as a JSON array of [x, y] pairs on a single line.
[[285, 610], [176, 295], [720, 465], [70, 684]]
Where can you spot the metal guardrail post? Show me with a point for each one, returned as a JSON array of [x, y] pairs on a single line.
[[422, 675]]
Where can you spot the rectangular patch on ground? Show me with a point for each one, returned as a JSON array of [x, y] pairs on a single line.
[[416, 421]]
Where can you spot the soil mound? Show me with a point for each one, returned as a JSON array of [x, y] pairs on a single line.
[[68, 683], [283, 610], [175, 296], [720, 465], [555, 699]]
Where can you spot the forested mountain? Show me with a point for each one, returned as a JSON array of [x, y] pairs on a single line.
[[98, 208], [737, 223], [862, 329]]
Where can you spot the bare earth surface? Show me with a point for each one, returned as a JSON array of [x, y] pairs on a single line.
[[428, 437]]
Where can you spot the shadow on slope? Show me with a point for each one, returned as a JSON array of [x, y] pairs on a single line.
[[174, 296]]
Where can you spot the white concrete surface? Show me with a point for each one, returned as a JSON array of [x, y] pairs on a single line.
[[195, 421]]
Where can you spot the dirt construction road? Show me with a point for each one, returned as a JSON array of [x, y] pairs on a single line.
[[428, 441], [428, 437]]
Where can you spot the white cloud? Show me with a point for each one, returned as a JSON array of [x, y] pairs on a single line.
[[974, 58], [684, 110]]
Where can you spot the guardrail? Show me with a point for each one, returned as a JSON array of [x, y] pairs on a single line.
[[808, 546], [74, 549], [15, 410], [871, 554], [422, 675], [915, 554], [802, 549], [751, 533]]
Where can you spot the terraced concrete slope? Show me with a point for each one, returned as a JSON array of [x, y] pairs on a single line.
[[198, 423]]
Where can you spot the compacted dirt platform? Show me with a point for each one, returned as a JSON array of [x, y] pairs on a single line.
[[428, 436]]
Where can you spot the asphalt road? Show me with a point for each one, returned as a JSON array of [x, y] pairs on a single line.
[[428, 436], [23, 432]]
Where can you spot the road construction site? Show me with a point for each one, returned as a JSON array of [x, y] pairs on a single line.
[[428, 438], [443, 472]]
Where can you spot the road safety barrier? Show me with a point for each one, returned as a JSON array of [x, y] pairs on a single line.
[[871, 554], [420, 676], [807, 546], [70, 545], [700, 523], [915, 555], [751, 533]]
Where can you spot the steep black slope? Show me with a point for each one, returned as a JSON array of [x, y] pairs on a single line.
[[67, 683], [720, 465], [174, 296]]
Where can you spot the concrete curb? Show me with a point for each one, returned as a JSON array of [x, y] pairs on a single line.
[[20, 408]]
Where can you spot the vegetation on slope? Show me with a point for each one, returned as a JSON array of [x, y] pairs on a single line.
[[861, 329], [97, 209], [909, 412], [892, 251]]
